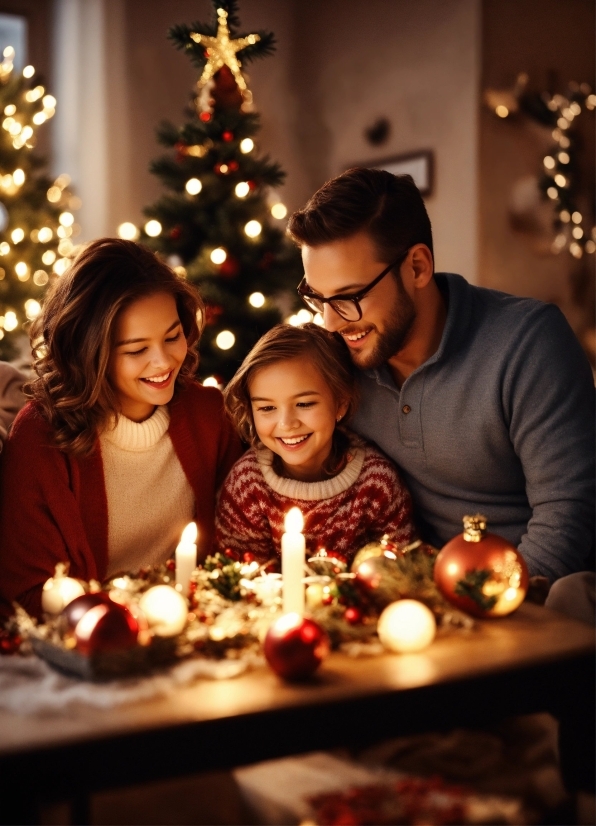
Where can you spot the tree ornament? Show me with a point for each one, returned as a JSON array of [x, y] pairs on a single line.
[[59, 590], [221, 51], [406, 626], [93, 623], [77, 608], [229, 268], [353, 615], [379, 578], [175, 233], [205, 117], [165, 610], [227, 136], [327, 563], [295, 646], [481, 573]]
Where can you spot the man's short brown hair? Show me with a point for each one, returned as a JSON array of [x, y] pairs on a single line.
[[388, 207]]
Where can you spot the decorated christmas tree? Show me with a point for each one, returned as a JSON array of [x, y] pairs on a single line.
[[218, 223], [36, 222]]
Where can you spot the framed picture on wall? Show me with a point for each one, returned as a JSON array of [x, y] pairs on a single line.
[[419, 165]]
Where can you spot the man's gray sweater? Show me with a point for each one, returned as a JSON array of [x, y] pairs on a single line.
[[500, 420]]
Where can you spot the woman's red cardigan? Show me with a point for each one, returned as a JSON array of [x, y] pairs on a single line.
[[53, 505]]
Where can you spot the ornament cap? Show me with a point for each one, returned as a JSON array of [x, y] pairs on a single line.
[[474, 527]]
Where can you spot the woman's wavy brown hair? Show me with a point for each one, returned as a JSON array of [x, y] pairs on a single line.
[[73, 337], [284, 342]]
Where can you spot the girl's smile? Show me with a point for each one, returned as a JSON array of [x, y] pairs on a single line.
[[295, 415], [149, 351]]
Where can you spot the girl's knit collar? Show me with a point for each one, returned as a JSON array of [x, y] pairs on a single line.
[[311, 491], [129, 435]]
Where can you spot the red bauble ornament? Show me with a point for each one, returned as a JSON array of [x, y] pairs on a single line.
[[227, 136], [75, 610], [295, 647], [233, 166], [248, 557], [205, 116], [106, 627], [97, 623], [353, 615], [229, 268], [231, 554], [481, 573], [175, 233]]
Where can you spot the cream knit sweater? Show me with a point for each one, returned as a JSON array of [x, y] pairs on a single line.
[[149, 497]]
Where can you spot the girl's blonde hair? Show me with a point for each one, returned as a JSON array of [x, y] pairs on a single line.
[[283, 342], [73, 337]]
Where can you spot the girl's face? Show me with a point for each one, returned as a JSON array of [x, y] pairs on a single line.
[[295, 414], [148, 352]]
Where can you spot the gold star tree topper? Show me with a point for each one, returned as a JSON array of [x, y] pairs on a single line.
[[221, 51]]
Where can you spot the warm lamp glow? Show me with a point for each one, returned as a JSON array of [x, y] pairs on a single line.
[[294, 521], [406, 626]]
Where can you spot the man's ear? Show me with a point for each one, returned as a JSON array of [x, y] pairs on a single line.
[[421, 261]]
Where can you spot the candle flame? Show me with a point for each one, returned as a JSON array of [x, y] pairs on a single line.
[[294, 521], [189, 534]]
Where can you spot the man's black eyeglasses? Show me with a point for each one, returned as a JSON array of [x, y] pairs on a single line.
[[348, 305]]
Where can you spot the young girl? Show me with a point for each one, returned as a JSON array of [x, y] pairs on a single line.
[[290, 400], [119, 448]]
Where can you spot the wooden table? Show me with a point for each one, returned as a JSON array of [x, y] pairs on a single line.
[[534, 660]]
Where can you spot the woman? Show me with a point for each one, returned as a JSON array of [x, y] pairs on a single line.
[[119, 447]]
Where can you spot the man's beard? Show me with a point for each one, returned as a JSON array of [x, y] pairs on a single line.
[[392, 340]]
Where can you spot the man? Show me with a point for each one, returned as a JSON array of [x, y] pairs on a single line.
[[484, 400]]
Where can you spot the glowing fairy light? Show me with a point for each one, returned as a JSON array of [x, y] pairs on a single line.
[[253, 229], [128, 231], [193, 186], [247, 145], [225, 340], [218, 255], [153, 228], [242, 189], [256, 300]]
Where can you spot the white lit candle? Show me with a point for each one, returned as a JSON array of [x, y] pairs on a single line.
[[406, 625], [186, 556], [293, 551], [59, 590], [165, 610]]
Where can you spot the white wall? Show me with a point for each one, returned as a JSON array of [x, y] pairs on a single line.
[[339, 65]]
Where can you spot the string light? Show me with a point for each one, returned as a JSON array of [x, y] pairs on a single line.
[[153, 228], [210, 381], [577, 233], [66, 219], [247, 145], [54, 194], [279, 211], [32, 308], [128, 231], [28, 71], [17, 235], [549, 162], [318, 319], [4, 248], [61, 266], [193, 186], [225, 340], [256, 300], [552, 192], [253, 229], [11, 321], [41, 278], [576, 217], [502, 111], [242, 189], [218, 255], [48, 257], [22, 270], [18, 177], [45, 235]]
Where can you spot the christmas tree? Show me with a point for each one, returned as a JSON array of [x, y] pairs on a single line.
[[36, 224], [216, 224]]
